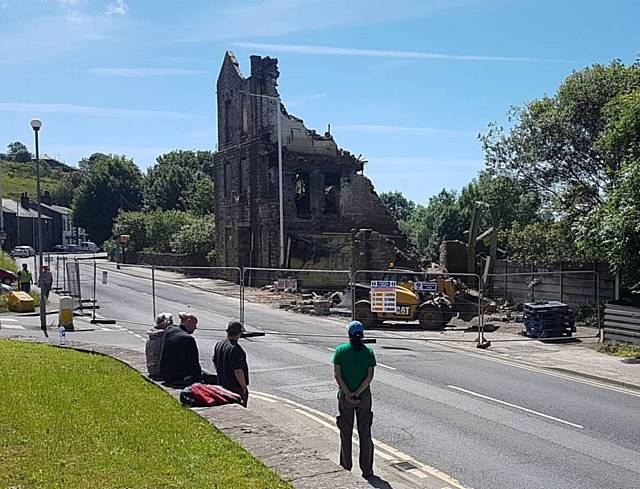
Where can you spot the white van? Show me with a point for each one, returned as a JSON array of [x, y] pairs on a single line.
[[88, 247]]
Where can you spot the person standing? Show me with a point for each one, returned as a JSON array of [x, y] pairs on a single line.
[[353, 367], [179, 359], [46, 281], [231, 362], [25, 279]]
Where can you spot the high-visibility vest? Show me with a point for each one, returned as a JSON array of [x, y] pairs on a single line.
[[24, 277]]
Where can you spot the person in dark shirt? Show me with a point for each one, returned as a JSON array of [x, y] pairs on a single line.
[[179, 359], [231, 362]]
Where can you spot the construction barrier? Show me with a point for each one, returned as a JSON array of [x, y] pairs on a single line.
[[65, 313]]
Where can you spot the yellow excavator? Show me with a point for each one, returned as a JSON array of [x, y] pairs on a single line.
[[432, 302]]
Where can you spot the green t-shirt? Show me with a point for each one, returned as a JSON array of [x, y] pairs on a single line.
[[354, 365]]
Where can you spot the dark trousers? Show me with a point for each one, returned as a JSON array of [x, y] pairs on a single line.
[[364, 417], [25, 287]]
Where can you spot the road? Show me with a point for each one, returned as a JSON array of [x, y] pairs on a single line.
[[486, 423]]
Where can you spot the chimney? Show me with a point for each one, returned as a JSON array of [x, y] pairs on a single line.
[[255, 64], [24, 200], [46, 198]]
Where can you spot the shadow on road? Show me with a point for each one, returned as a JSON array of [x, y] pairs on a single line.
[[378, 482]]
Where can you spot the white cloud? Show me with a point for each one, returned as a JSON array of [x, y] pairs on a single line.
[[119, 7], [379, 53], [91, 111], [406, 130], [280, 17], [139, 72]]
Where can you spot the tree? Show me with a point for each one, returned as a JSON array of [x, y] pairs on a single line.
[[86, 163], [507, 200], [439, 220], [612, 230], [552, 146], [398, 205], [170, 183], [18, 152], [110, 184]]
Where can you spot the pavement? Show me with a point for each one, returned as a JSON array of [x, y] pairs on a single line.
[[516, 415]]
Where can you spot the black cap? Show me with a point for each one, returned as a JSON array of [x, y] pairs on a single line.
[[234, 328]]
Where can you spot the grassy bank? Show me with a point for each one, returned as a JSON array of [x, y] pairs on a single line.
[[73, 420], [619, 350]]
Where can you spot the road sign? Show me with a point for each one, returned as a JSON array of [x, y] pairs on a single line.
[[124, 238], [383, 296], [287, 284], [426, 286]]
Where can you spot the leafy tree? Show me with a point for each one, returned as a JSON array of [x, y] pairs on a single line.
[[613, 229], [552, 146], [110, 184], [398, 205], [439, 220], [196, 238], [176, 176], [504, 201], [201, 200], [86, 163], [18, 152], [69, 185]]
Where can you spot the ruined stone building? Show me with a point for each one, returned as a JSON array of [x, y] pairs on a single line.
[[325, 194]]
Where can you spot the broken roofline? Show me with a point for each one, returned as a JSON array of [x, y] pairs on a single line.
[[262, 83]]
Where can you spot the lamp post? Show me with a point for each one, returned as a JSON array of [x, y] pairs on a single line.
[[280, 191], [36, 124]]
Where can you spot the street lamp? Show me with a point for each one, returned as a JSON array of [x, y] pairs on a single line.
[[36, 124], [280, 192]]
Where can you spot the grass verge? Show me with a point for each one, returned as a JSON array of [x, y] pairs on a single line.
[[619, 350], [74, 420]]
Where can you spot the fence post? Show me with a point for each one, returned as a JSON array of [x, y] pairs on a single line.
[[153, 289], [561, 282], [241, 279], [93, 316]]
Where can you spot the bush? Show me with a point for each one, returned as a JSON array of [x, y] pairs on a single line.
[[167, 232], [196, 238], [7, 262]]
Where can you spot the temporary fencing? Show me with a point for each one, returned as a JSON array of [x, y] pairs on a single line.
[[579, 290], [107, 294], [303, 290]]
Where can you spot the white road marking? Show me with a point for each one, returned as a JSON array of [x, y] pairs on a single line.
[[105, 329], [262, 398], [12, 326], [386, 366], [291, 367], [515, 406], [11, 320], [381, 447], [330, 349]]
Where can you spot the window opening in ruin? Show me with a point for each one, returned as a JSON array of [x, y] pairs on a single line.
[[227, 121], [303, 195], [244, 178], [227, 180], [245, 113], [273, 191], [331, 193]]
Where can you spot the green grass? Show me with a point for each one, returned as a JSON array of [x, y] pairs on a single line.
[[619, 350], [74, 420], [20, 177], [7, 262]]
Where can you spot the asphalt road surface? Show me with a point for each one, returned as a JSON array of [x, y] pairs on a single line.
[[486, 423]]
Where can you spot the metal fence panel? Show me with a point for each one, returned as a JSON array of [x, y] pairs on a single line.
[[621, 324]]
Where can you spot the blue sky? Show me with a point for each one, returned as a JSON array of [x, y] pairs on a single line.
[[408, 84]]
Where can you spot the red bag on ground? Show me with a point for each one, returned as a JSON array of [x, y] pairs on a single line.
[[200, 395]]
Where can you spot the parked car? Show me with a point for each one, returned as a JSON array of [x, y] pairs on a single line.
[[7, 276], [23, 252], [72, 248], [88, 247], [60, 248]]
